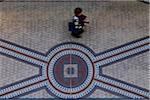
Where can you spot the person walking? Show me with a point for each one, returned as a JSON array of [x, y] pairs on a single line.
[[77, 26]]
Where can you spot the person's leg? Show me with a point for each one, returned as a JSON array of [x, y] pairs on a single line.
[[75, 33], [81, 31]]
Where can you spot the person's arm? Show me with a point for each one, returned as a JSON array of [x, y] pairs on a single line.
[[76, 23], [87, 22], [84, 18]]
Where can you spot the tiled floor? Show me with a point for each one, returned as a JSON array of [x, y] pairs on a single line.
[[42, 25]]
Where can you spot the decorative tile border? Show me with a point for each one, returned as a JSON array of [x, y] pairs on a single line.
[[94, 64]]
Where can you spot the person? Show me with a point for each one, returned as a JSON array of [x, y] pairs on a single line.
[[76, 27]]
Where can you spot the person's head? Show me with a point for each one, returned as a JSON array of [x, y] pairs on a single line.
[[77, 11]]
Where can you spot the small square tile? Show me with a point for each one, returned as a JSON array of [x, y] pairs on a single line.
[[70, 70]]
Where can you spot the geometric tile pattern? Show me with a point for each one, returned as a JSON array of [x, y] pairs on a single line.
[[11, 66], [133, 70], [78, 54]]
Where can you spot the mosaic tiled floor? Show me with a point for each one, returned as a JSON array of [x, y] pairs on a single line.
[[40, 59]]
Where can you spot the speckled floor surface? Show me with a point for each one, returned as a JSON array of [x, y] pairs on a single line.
[[42, 25]]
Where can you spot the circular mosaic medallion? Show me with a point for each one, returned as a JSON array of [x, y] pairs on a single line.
[[70, 71]]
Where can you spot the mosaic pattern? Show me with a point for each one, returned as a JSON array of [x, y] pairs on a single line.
[[72, 70]]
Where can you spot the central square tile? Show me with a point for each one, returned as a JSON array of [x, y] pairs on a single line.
[[70, 70]]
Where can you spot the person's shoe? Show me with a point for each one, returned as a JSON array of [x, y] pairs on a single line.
[[76, 36]]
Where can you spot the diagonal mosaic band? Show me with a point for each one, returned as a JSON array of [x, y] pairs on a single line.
[[72, 70]]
